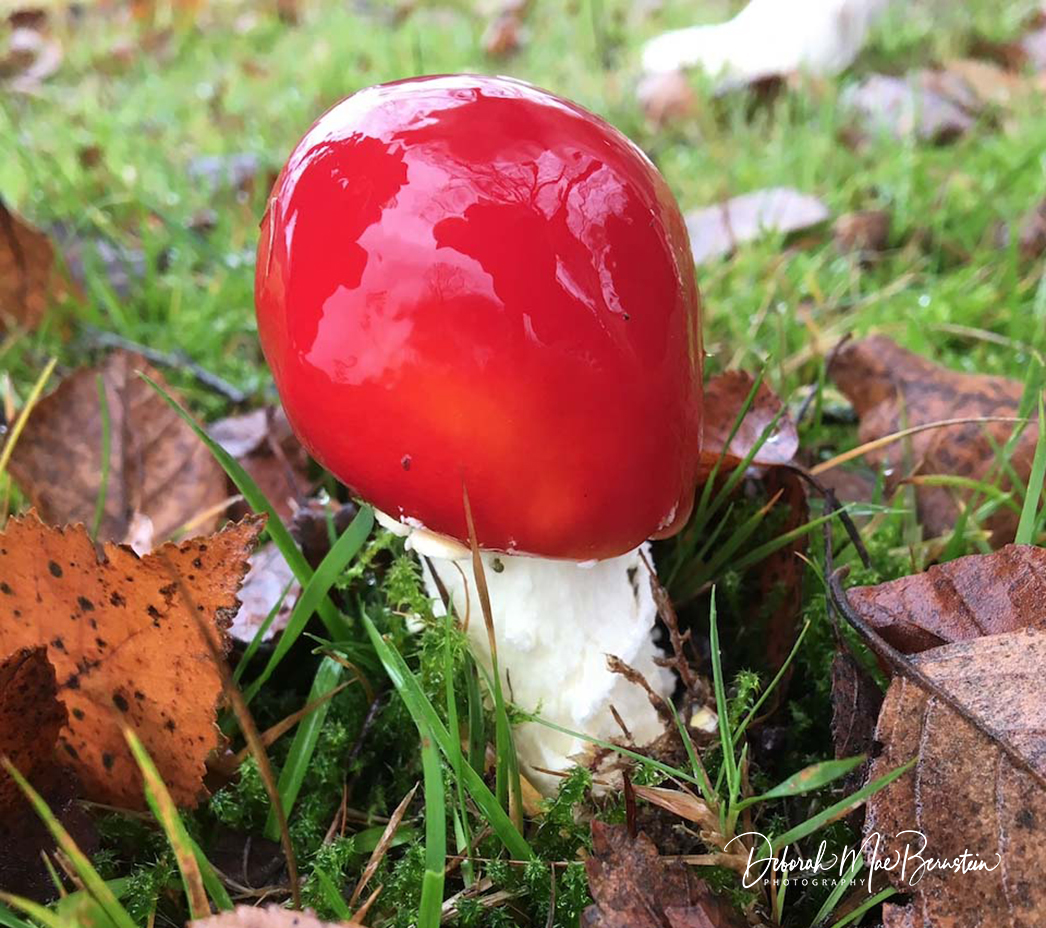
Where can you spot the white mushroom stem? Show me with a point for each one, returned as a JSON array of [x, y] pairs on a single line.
[[555, 624]]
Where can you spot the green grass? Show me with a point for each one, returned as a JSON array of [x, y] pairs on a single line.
[[237, 80]]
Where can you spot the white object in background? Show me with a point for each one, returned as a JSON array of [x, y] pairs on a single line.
[[769, 38]]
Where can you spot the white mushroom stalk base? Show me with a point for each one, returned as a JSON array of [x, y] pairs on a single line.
[[555, 623]]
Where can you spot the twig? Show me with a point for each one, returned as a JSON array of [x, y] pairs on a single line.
[[177, 360], [829, 358], [902, 664]]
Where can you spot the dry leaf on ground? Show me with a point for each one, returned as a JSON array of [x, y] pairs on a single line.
[[666, 98], [30, 279], [262, 441], [157, 466], [865, 233], [126, 648], [269, 576], [271, 916], [634, 888], [717, 230], [30, 58], [959, 600], [965, 794], [725, 395], [892, 389], [930, 105], [30, 719]]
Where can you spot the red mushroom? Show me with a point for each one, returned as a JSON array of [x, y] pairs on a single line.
[[465, 281]]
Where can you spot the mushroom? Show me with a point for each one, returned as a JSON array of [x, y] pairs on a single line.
[[465, 283]]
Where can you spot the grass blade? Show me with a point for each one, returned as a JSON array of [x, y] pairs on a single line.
[[841, 886], [421, 709], [23, 416], [103, 485], [90, 878], [211, 881], [9, 920], [809, 778], [871, 903], [259, 503], [328, 676], [45, 916], [314, 593], [842, 807], [166, 813], [726, 738], [430, 910], [1033, 496]]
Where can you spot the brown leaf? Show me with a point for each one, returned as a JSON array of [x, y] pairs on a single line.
[[959, 600], [989, 83], [126, 648], [262, 441], [865, 233], [271, 916], [634, 888], [30, 279], [725, 395], [965, 794], [856, 700], [892, 388], [30, 719], [30, 59], [928, 104], [157, 465], [717, 230], [666, 98]]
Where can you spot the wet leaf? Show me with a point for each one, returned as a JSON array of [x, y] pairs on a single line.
[[666, 98], [634, 888], [270, 916], [865, 233], [30, 58], [717, 230], [965, 794], [931, 105], [158, 468], [262, 588], [725, 395], [30, 280], [892, 388], [31, 718], [126, 647], [262, 441], [959, 600]]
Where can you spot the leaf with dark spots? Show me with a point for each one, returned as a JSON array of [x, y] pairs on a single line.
[[125, 655], [959, 600], [966, 795], [31, 718], [892, 389], [158, 468], [634, 888]]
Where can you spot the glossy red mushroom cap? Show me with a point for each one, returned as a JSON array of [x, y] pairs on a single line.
[[468, 281]]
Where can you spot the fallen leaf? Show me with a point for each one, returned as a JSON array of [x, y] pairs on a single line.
[[1031, 233], [634, 888], [865, 233], [126, 649], [856, 701], [121, 266], [503, 36], [725, 395], [262, 588], [930, 105], [31, 718], [965, 795], [958, 600], [250, 860], [218, 172], [891, 388], [31, 58], [666, 98], [30, 280], [157, 465], [263, 442], [271, 916], [989, 83], [311, 527], [716, 231]]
